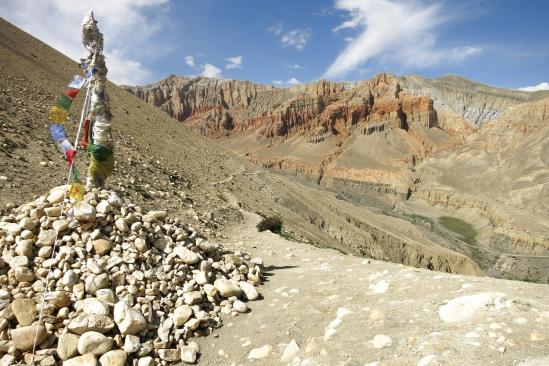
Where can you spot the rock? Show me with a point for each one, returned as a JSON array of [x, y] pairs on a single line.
[[69, 278], [19, 261], [290, 352], [188, 353], [543, 361], [7, 360], [249, 290], [25, 247], [84, 212], [56, 195], [91, 305], [11, 228], [23, 337], [92, 322], [145, 361], [202, 278], [26, 223], [464, 307], [24, 311], [131, 343], [102, 246], [85, 360], [53, 211], [23, 274], [94, 343], [113, 358], [186, 255], [381, 341], [240, 306], [103, 207], [59, 299], [259, 353], [106, 296], [161, 243], [181, 315], [46, 238], [169, 355], [67, 346], [227, 288], [154, 216], [60, 225], [193, 297], [96, 282], [128, 319], [141, 245], [122, 226]]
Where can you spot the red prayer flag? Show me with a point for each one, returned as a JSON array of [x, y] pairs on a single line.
[[69, 155], [71, 93]]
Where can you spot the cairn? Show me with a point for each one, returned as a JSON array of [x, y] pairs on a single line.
[[125, 287]]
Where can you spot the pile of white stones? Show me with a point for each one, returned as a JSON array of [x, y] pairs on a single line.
[[126, 287]]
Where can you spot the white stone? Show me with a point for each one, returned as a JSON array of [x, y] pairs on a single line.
[[261, 352], [290, 352], [91, 305], [240, 306], [84, 212], [131, 343], [249, 290], [381, 287], [186, 255], [381, 341], [128, 319], [182, 314], [94, 343], [464, 307], [425, 361], [227, 288], [85, 360], [113, 358]]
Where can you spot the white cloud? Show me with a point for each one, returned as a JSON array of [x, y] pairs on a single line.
[[393, 32], [297, 38], [289, 65], [189, 60], [540, 86], [234, 62], [293, 81], [58, 23], [276, 28], [210, 71]]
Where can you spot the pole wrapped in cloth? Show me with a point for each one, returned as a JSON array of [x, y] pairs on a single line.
[[100, 142]]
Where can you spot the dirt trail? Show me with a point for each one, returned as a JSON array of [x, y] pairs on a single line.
[[339, 308]]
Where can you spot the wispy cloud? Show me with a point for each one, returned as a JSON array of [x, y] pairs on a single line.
[[540, 86], [410, 42], [234, 62], [297, 38], [189, 60], [289, 65], [210, 71], [291, 81], [58, 23], [276, 29]]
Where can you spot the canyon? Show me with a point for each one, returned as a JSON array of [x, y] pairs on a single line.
[[406, 145]]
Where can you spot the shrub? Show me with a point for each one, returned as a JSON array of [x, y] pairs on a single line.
[[272, 223]]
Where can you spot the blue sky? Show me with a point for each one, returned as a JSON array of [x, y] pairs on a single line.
[[503, 43]]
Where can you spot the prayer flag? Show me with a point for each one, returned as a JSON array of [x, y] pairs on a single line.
[[76, 191], [77, 82], [64, 102], [71, 93], [57, 114], [57, 132]]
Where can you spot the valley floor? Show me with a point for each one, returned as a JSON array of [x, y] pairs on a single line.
[[321, 307]]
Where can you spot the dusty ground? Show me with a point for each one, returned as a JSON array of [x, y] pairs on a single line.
[[307, 287]]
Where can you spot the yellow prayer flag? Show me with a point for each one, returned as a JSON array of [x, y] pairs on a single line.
[[57, 114], [76, 191]]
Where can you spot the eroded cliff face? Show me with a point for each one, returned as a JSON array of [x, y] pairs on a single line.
[[322, 131]]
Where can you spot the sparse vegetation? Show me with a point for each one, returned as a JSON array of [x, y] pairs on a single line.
[[272, 223], [460, 227]]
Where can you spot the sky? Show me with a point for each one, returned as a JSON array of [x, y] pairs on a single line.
[[285, 42]]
